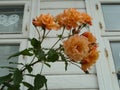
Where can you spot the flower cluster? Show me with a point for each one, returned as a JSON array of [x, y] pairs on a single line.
[[78, 48]]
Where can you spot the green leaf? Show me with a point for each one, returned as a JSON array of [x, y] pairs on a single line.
[[29, 68], [27, 85], [59, 36], [64, 59], [40, 54], [14, 87], [23, 52], [39, 81], [17, 77], [5, 78], [52, 56], [35, 43]]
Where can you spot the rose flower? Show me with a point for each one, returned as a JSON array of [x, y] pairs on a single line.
[[76, 47], [46, 21], [91, 59], [90, 37], [69, 18]]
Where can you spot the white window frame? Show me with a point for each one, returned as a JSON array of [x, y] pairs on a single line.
[[26, 18], [23, 45], [111, 61], [101, 19], [21, 42], [21, 39]]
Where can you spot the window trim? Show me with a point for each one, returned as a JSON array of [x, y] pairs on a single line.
[[102, 67], [101, 20], [21, 42], [23, 45], [26, 16], [111, 64]]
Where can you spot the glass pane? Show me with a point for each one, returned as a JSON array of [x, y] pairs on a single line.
[[111, 16], [115, 46], [11, 18], [6, 51]]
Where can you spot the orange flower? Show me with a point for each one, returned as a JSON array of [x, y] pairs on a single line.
[[86, 19], [90, 37], [37, 21], [69, 18], [90, 59], [46, 21], [76, 47]]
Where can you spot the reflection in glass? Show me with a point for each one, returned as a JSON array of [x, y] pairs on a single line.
[[115, 46], [111, 14], [6, 51], [11, 18]]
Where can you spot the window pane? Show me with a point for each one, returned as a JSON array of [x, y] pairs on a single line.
[[5, 52], [111, 16], [11, 18], [115, 46]]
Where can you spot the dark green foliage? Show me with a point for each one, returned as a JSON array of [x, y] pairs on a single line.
[[40, 54], [25, 52], [5, 78], [64, 59], [17, 77], [39, 81], [35, 43], [29, 68], [52, 56], [29, 86]]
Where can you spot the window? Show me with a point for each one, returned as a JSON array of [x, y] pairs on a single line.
[[6, 51], [106, 15], [7, 48], [112, 47], [11, 18], [111, 16], [115, 47], [14, 18]]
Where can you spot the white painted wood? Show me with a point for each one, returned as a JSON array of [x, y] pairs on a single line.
[[102, 66], [101, 17], [58, 68], [58, 78], [55, 12], [110, 1], [72, 81], [62, 4], [58, 0], [72, 89], [111, 61], [55, 33]]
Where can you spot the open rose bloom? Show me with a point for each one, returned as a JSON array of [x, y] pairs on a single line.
[[82, 48], [78, 47]]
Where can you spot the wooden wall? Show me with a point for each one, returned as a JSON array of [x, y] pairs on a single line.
[[58, 78]]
